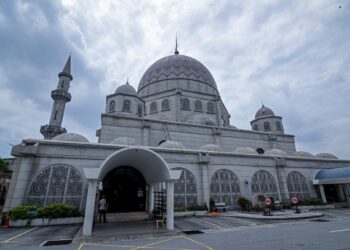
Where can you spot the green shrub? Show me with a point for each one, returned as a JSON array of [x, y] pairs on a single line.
[[22, 212], [244, 203], [197, 208], [59, 210], [56, 210]]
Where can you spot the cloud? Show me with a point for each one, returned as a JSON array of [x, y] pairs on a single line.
[[294, 56]]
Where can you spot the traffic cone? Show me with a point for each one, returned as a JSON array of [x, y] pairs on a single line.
[[7, 223]]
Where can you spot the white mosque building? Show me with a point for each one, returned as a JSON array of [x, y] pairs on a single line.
[[172, 133]]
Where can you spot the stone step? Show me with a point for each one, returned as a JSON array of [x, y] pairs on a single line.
[[127, 216]]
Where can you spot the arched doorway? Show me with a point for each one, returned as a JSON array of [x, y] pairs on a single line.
[[125, 189]]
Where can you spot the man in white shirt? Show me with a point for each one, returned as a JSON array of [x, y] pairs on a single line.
[[102, 208]]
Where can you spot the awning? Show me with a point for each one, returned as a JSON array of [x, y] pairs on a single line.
[[333, 176]]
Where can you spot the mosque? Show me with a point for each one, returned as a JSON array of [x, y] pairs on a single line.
[[172, 134]]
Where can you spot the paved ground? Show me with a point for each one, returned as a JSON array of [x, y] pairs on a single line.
[[331, 231]]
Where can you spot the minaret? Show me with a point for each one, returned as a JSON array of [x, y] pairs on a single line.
[[60, 97]]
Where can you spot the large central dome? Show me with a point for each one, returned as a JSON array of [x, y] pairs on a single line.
[[177, 71]]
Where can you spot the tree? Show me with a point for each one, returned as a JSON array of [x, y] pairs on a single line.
[[3, 165]]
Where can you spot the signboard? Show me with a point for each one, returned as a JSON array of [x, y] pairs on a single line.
[[268, 202], [294, 200]]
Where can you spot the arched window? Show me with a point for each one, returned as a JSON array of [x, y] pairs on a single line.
[[256, 127], [224, 187], [126, 106], [198, 106], [185, 189], [153, 107], [165, 104], [263, 182], [267, 126], [297, 185], [278, 126], [57, 184], [139, 110], [185, 103], [112, 106], [210, 107]]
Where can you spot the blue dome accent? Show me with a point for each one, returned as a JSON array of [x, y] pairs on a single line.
[[335, 173]]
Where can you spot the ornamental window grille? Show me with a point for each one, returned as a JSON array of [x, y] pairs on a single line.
[[224, 187], [263, 182], [267, 126], [153, 107], [57, 184], [185, 103], [278, 126], [126, 106], [185, 189], [165, 104], [198, 106], [112, 106], [210, 107], [139, 110], [256, 127], [297, 185]]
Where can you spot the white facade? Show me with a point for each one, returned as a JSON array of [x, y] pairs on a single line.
[[176, 114]]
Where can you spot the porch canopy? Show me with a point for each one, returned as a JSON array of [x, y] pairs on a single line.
[[332, 176]]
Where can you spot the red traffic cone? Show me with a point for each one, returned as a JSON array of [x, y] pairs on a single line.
[[7, 223]]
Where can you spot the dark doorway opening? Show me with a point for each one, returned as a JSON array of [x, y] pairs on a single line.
[[331, 193], [124, 188]]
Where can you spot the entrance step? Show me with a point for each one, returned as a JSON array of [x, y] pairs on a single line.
[[128, 216]]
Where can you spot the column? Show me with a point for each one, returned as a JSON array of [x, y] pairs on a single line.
[[323, 195], [150, 199], [90, 208], [205, 185], [170, 205]]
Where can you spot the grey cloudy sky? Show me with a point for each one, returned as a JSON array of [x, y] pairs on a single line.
[[293, 55]]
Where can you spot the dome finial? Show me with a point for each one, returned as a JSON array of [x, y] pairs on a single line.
[[127, 80], [262, 103], [176, 51]]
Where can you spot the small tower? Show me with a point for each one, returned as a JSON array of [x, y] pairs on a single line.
[[266, 121], [60, 96]]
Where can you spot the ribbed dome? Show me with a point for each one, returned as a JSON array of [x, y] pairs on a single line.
[[326, 156], [124, 141], [211, 147], [70, 137], [177, 71], [126, 89], [171, 144], [303, 154], [275, 151], [245, 150], [264, 111]]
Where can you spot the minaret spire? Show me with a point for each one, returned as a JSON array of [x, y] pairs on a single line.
[[60, 97], [176, 51]]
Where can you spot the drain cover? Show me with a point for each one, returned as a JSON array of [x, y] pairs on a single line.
[[193, 232], [56, 242], [320, 220]]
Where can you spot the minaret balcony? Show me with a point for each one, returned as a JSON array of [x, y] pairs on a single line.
[[59, 94]]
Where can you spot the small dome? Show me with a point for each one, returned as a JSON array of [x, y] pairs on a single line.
[[303, 154], [171, 144], [326, 156], [264, 111], [126, 89], [70, 137], [211, 147], [245, 150], [124, 141], [275, 151], [201, 119]]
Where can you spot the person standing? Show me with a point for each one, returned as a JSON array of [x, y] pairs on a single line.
[[102, 208]]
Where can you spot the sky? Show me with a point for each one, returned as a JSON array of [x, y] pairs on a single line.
[[294, 56]]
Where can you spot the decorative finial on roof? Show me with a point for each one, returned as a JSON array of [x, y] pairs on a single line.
[[262, 103], [176, 51], [127, 81]]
